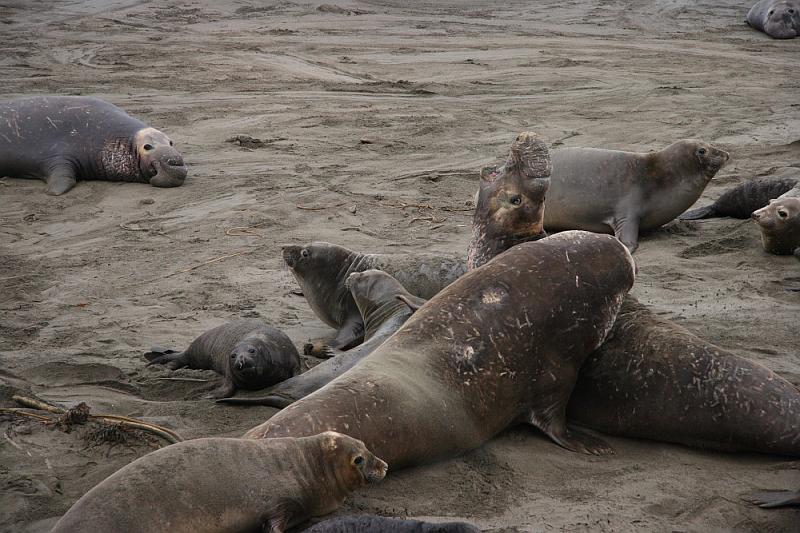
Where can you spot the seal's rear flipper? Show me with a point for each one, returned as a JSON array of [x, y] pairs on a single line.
[[701, 212], [774, 498], [165, 356], [572, 439], [278, 402]]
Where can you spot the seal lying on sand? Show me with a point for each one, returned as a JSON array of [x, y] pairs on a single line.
[[382, 524], [248, 353], [780, 19], [742, 200], [609, 191], [210, 485], [62, 139], [780, 226], [384, 305], [499, 346], [769, 499], [321, 269]]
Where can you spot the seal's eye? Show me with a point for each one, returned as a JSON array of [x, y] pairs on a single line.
[[171, 143], [147, 147], [702, 151], [771, 11], [233, 355], [515, 200], [791, 11], [358, 460], [251, 350], [304, 252], [782, 213]]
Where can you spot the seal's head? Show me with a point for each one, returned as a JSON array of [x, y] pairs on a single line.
[[251, 362], [350, 459], [780, 225], [159, 161], [699, 155], [782, 20], [378, 295]]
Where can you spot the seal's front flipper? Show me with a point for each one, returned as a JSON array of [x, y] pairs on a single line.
[[278, 402], [697, 214], [627, 231], [351, 334], [60, 180], [165, 356], [552, 423], [320, 349], [223, 391], [774, 498]]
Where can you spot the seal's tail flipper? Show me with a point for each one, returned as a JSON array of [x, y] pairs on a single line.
[[279, 402], [165, 356], [701, 212], [774, 498]]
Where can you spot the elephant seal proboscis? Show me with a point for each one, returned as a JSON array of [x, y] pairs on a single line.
[[62, 139], [384, 305], [222, 484], [611, 191], [499, 346], [780, 19], [382, 524], [742, 200], [248, 353], [321, 269], [780, 225]]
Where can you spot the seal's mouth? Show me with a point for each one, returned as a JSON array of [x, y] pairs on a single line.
[[377, 472], [291, 255], [168, 170]]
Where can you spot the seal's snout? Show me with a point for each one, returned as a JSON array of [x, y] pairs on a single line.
[[169, 166], [377, 471], [291, 255]]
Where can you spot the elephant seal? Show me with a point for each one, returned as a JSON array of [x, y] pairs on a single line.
[[321, 268], [62, 139], [499, 346], [780, 225], [372, 523], [780, 19], [248, 353], [771, 499], [610, 191], [742, 200], [384, 305], [223, 484]]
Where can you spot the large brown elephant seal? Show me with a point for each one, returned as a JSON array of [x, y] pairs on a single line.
[[610, 191], [218, 484], [62, 139], [780, 19], [248, 353], [321, 269], [499, 346], [742, 200], [780, 225], [384, 306], [382, 524]]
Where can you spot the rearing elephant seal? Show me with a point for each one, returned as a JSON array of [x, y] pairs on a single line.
[[499, 346], [780, 225], [62, 139], [217, 484], [780, 19], [610, 191], [248, 353]]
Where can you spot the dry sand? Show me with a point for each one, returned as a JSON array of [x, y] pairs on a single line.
[[362, 107]]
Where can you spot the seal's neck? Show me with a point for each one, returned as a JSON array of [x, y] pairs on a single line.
[[118, 160], [376, 314], [485, 244]]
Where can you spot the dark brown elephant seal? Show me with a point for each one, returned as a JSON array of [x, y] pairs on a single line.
[[382, 524], [62, 139], [384, 305], [501, 345], [212, 485], [780, 19], [742, 200], [780, 225], [610, 191], [770, 499], [248, 353], [321, 269]]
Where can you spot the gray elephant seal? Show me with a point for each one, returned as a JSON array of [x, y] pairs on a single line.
[[489, 351], [780, 225], [610, 191], [384, 305], [248, 353], [382, 524], [742, 200], [62, 139], [780, 19], [321, 269], [218, 484], [771, 499]]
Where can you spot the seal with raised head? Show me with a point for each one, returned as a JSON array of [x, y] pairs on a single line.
[[248, 353], [384, 305], [221, 484], [501, 345], [63, 139], [780, 19], [623, 193], [742, 200], [321, 269], [780, 226], [383, 524]]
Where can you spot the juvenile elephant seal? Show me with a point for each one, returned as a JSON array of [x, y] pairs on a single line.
[[382, 524], [499, 346], [321, 269], [610, 191], [218, 484], [248, 353], [780, 19], [769, 499], [742, 200], [780, 225], [62, 139], [384, 305]]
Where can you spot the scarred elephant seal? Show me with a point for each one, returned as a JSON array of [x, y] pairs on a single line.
[[780, 19], [780, 226], [62, 139], [218, 484], [248, 353], [501, 345]]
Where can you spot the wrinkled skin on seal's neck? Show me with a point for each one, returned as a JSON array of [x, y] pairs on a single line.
[[510, 203], [379, 297], [780, 226], [147, 157]]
